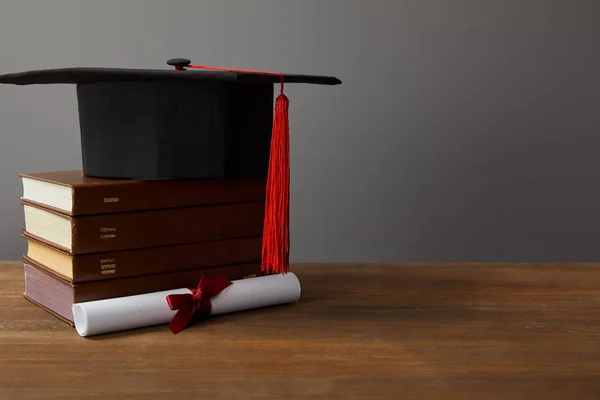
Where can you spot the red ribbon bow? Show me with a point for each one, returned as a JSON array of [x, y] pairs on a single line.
[[198, 302]]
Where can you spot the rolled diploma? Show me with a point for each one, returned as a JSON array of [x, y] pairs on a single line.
[[122, 313]]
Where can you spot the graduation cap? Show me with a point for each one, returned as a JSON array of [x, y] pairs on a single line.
[[187, 122]]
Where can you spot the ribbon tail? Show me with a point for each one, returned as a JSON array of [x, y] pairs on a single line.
[[184, 303], [181, 320]]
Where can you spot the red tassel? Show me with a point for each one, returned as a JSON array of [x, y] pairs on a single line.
[[276, 233]]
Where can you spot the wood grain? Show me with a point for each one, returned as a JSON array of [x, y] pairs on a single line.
[[418, 331]]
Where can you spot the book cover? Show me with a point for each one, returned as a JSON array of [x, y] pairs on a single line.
[[145, 261], [72, 193], [132, 230]]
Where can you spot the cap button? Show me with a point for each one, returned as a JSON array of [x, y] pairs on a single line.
[[179, 63]]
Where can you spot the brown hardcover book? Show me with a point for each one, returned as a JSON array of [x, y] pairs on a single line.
[[58, 294], [111, 232], [154, 260], [72, 193]]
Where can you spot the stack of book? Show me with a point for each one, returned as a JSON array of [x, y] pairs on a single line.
[[92, 239]]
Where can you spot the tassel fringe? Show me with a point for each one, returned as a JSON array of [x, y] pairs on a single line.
[[276, 234]]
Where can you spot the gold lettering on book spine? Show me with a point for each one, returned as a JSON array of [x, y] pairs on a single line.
[[108, 266], [105, 235], [108, 271], [111, 199]]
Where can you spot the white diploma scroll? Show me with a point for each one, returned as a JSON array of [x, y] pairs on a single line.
[[123, 313]]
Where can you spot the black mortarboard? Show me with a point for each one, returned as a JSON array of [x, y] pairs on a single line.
[[173, 123], [187, 122]]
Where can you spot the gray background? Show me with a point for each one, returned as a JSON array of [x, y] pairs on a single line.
[[464, 130]]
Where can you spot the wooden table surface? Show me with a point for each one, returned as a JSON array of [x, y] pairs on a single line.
[[429, 331]]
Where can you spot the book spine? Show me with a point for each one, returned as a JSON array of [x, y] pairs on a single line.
[[99, 290], [155, 195], [111, 232], [163, 259]]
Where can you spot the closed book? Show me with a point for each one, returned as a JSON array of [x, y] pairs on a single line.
[[72, 193], [131, 230], [58, 294], [145, 261]]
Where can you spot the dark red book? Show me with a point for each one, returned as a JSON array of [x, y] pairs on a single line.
[[58, 295]]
